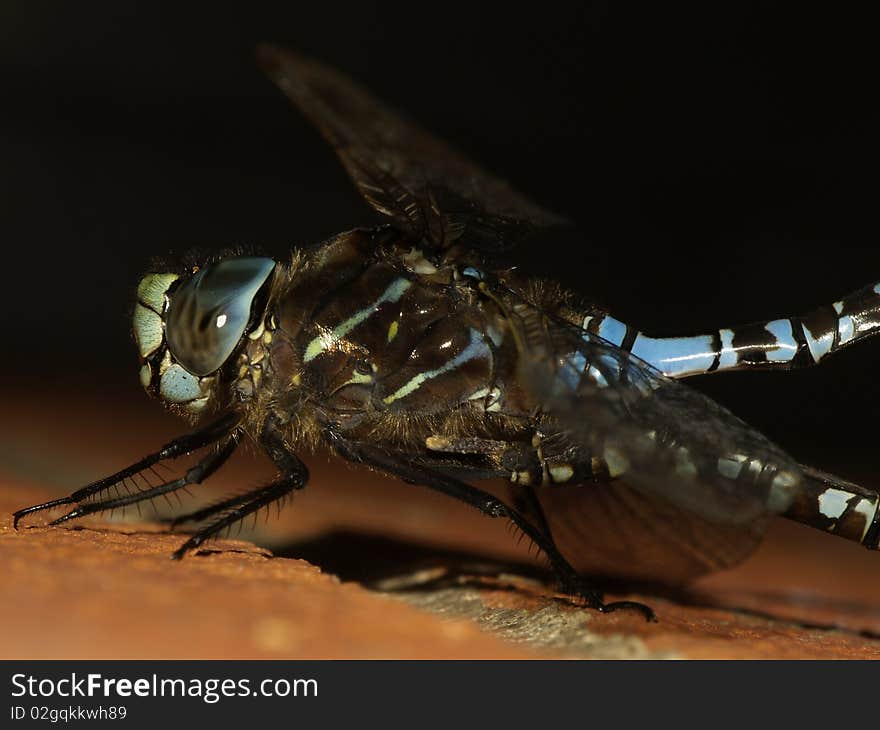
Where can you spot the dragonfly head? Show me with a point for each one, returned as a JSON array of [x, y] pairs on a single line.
[[187, 327]]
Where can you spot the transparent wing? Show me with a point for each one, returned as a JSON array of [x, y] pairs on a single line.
[[659, 436], [426, 188], [618, 531]]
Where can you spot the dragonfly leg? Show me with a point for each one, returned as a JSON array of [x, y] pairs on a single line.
[[209, 511], [530, 504], [527, 502], [194, 475], [211, 433], [573, 584], [541, 462], [293, 476], [487, 503]]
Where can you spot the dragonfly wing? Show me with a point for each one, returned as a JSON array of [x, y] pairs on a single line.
[[659, 436], [621, 532], [426, 188]]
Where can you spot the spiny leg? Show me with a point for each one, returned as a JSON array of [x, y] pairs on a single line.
[[293, 476], [254, 501], [532, 505], [179, 447], [210, 510], [489, 505], [194, 475], [524, 464]]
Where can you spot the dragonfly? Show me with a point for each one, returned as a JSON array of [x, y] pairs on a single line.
[[405, 347]]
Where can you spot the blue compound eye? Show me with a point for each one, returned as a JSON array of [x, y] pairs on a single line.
[[208, 314]]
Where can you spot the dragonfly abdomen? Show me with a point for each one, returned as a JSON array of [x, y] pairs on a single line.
[[834, 505], [784, 343]]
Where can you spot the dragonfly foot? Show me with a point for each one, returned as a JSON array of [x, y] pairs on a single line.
[[188, 546], [645, 610], [579, 588], [16, 516]]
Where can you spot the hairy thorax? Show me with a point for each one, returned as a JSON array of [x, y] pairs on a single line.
[[389, 345]]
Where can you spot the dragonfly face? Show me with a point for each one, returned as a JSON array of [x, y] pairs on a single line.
[[401, 347], [187, 328]]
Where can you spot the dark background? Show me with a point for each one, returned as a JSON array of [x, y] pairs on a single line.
[[721, 166]]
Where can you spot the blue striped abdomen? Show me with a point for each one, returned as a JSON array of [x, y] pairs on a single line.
[[784, 343]]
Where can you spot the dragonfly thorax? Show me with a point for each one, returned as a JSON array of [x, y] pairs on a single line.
[[188, 327]]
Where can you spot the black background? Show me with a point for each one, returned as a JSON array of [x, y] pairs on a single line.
[[720, 164]]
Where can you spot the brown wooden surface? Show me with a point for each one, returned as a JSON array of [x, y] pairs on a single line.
[[100, 589]]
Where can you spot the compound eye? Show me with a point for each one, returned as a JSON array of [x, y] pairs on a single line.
[[209, 313]]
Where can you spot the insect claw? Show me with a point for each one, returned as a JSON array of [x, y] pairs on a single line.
[[580, 591], [645, 610], [181, 551], [190, 545], [16, 517]]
